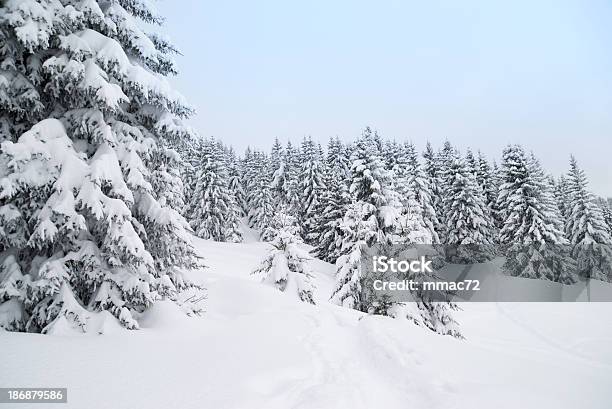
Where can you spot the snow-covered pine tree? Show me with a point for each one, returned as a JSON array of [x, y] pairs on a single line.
[[372, 218], [248, 174], [418, 190], [212, 211], [236, 184], [334, 201], [276, 154], [292, 172], [86, 114], [591, 245], [356, 229], [471, 163], [170, 164], [391, 153], [446, 157], [433, 176], [287, 265], [468, 223], [606, 211], [488, 181], [166, 178], [378, 141], [311, 178], [418, 227], [279, 183], [532, 231], [252, 171], [261, 203], [561, 196], [191, 160], [406, 180], [443, 159]]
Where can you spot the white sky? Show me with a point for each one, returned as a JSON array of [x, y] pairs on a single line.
[[480, 73]]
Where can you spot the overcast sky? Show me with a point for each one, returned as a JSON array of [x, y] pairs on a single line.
[[480, 73]]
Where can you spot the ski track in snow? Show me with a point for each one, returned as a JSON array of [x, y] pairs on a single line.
[[257, 348]]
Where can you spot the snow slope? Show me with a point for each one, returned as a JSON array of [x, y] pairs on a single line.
[[258, 348]]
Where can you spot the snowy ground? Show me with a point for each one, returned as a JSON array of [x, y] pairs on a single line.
[[258, 348]]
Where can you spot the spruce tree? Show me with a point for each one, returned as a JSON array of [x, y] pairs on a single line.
[[249, 173], [446, 156], [443, 160], [213, 213], [488, 181], [166, 178], [606, 211], [87, 116], [287, 265], [531, 233], [468, 223], [433, 176], [236, 183], [561, 196], [373, 218], [292, 177], [471, 163], [422, 212], [261, 201], [334, 201], [311, 182], [278, 185], [586, 229]]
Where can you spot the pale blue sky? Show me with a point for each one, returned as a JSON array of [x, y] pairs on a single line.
[[480, 73]]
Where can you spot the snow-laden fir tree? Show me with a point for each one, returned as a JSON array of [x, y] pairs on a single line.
[[191, 161], [433, 176], [86, 224], [378, 141], [591, 245], [606, 211], [261, 201], [356, 229], [287, 264], [255, 175], [166, 178], [249, 170], [561, 196], [420, 228], [212, 211], [406, 181], [469, 228], [532, 231], [334, 201], [442, 161], [372, 218], [276, 154], [391, 155], [292, 180], [337, 159], [488, 181], [471, 163], [236, 184], [432, 313], [311, 182], [278, 184], [419, 200]]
